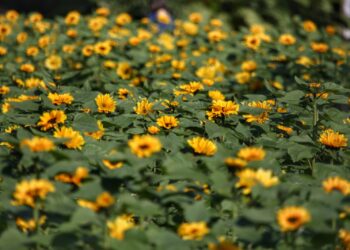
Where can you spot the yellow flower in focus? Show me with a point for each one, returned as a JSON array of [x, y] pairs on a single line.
[[292, 218], [202, 146], [144, 145], [336, 184], [58, 99], [333, 139], [120, 225], [51, 119], [53, 62], [190, 28], [143, 107], [75, 139], [28, 191], [167, 122], [105, 103], [38, 144], [193, 230], [251, 154]]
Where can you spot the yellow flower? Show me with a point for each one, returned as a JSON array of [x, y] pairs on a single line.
[[153, 130], [242, 77], [29, 225], [103, 48], [105, 103], [144, 145], [143, 107], [195, 17], [248, 178], [124, 70], [202, 146], [51, 119], [163, 16], [38, 144], [305, 61], [235, 162], [53, 62], [193, 230], [105, 200], [167, 122], [27, 67], [190, 28], [221, 108], [249, 66], [319, 47], [4, 90], [309, 26], [287, 39], [123, 19], [216, 36], [216, 95], [58, 99], [97, 135], [123, 93], [288, 130], [28, 191], [189, 89], [266, 105], [75, 140], [292, 218], [333, 139], [344, 236], [262, 118], [120, 225], [72, 18], [252, 42], [336, 184], [112, 165], [251, 154], [80, 174]]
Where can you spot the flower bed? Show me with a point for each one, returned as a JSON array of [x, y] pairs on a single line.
[[117, 136]]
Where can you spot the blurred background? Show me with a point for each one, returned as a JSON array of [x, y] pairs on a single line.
[[237, 12]]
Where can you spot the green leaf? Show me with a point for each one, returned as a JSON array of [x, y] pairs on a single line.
[[85, 122]]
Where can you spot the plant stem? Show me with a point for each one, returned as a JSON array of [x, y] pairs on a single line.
[[314, 130]]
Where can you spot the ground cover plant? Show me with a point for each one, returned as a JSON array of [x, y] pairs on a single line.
[[124, 134]]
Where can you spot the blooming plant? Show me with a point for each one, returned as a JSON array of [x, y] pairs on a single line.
[[115, 135]]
